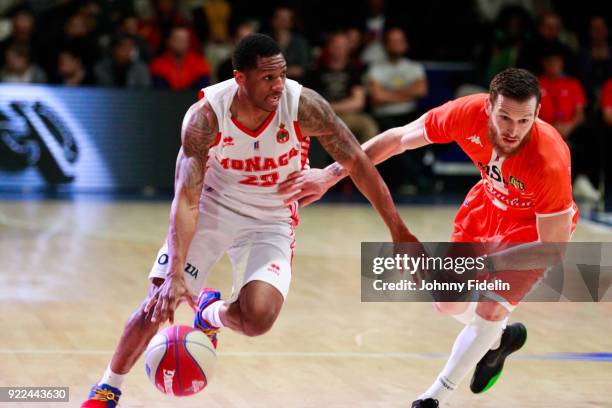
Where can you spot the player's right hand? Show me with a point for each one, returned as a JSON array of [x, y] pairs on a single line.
[[307, 186], [402, 234], [167, 297]]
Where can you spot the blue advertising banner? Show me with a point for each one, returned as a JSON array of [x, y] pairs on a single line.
[[88, 139]]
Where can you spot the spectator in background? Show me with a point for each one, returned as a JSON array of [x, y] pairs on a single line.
[[157, 29], [395, 84], [225, 70], [95, 18], [606, 115], [511, 33], [550, 28], [22, 30], [595, 60], [563, 106], [80, 37], [355, 41], [214, 30], [71, 69], [129, 26], [606, 104], [563, 99], [213, 17], [179, 68], [18, 66], [490, 10], [374, 49], [339, 82], [294, 45], [122, 69]]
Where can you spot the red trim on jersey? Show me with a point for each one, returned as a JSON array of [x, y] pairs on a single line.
[[304, 154], [296, 126], [295, 220], [304, 143], [217, 140], [259, 130], [200, 94]]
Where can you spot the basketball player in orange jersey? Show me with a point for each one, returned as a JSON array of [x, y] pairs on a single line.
[[244, 137], [524, 195]]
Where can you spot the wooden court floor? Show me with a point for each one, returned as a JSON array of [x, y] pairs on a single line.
[[72, 272]]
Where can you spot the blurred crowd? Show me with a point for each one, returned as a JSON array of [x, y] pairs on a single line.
[[361, 56]]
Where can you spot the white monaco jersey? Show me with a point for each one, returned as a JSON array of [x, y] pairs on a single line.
[[245, 167]]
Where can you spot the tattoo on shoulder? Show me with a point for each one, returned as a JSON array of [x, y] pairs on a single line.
[[317, 118], [199, 132], [200, 129], [315, 114]]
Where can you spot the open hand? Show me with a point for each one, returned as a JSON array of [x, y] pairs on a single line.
[[307, 186], [167, 297]]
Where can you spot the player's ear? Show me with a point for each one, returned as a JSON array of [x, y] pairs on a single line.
[[239, 77], [537, 112], [488, 106]]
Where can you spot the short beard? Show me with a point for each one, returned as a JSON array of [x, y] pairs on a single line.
[[493, 135]]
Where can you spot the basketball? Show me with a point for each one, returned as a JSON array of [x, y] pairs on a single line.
[[180, 360]]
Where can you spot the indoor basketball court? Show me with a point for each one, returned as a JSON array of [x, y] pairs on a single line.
[[75, 270], [113, 111]]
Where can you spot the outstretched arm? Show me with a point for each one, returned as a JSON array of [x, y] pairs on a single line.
[[198, 133], [317, 118], [310, 185]]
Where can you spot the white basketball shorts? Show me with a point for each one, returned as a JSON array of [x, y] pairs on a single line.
[[258, 250]]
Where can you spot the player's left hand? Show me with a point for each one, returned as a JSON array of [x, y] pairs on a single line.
[[402, 234], [167, 297], [307, 186]]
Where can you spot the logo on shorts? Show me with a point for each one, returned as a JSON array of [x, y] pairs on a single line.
[[274, 268], [163, 259], [476, 140], [192, 270], [282, 136]]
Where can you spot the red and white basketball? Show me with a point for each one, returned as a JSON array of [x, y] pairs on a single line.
[[180, 360]]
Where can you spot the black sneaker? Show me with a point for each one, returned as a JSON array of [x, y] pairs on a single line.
[[490, 367], [426, 403]]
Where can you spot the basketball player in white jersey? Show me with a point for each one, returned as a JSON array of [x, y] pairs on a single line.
[[239, 141]]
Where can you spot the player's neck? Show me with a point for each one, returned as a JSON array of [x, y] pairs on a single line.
[[246, 113]]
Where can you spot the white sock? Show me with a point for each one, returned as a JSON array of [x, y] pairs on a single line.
[[497, 343], [211, 314], [470, 346], [111, 378]]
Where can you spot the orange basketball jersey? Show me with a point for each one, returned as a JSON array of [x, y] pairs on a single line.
[[534, 181]]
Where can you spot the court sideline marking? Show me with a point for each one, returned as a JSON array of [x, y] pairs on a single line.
[[600, 357]]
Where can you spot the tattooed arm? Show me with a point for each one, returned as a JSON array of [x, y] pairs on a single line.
[[198, 133], [387, 144], [317, 118], [309, 185]]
